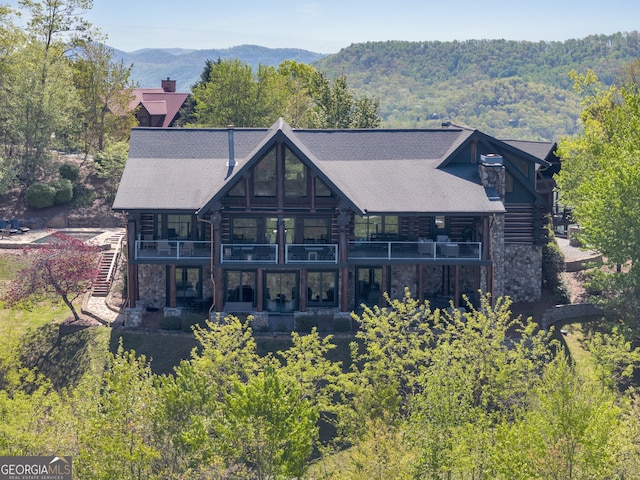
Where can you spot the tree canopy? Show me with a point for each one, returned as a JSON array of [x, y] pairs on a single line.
[[425, 394], [600, 178], [229, 92], [64, 268], [62, 89]]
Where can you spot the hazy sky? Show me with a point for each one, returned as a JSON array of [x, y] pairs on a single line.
[[326, 26]]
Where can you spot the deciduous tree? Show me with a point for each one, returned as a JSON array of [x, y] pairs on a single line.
[[599, 180], [64, 269], [104, 93]]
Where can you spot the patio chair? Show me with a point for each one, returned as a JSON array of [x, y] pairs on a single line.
[[15, 224], [187, 249], [7, 230], [164, 249]]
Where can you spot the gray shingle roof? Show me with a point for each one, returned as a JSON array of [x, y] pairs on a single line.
[[375, 170], [539, 150]]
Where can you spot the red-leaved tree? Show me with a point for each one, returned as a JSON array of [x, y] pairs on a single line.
[[65, 268]]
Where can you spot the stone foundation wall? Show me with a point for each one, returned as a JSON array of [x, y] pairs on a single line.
[[133, 316], [437, 280], [522, 272], [152, 285], [403, 276]]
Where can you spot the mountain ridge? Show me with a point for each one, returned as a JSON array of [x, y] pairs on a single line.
[[506, 88], [151, 65]]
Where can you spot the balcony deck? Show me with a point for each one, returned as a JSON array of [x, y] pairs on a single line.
[[172, 250], [421, 251]]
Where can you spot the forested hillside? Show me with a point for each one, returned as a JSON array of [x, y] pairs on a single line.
[[509, 89], [150, 65]]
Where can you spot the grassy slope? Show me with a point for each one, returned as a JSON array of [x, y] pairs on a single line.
[[64, 353]]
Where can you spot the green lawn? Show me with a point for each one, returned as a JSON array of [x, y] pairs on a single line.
[[576, 332]]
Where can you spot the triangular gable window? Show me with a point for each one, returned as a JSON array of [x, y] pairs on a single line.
[[264, 176], [238, 189], [280, 176], [295, 176], [321, 189]]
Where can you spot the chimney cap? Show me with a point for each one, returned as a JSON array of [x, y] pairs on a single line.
[[491, 159]]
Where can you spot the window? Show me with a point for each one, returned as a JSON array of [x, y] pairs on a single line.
[[244, 230], [178, 226], [295, 176], [271, 234], [508, 183], [322, 288], [188, 285], [391, 225], [384, 227], [240, 286], [321, 189], [238, 189], [264, 176], [316, 229], [281, 291], [368, 282]]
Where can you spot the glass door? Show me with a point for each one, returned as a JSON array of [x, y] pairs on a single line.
[[368, 281], [188, 286], [281, 292]]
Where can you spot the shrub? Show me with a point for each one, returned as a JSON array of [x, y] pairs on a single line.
[[69, 171], [83, 196], [553, 268], [40, 195], [64, 191], [191, 320], [170, 323]]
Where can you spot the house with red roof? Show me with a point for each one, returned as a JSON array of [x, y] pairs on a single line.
[[158, 107]]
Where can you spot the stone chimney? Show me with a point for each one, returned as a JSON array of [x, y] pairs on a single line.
[[492, 173], [492, 177], [169, 85]]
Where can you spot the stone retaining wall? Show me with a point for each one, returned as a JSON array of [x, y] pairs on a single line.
[[560, 313]]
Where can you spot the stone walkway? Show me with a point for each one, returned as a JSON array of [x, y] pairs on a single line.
[[98, 308]]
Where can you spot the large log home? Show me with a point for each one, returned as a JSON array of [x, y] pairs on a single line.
[[284, 222]]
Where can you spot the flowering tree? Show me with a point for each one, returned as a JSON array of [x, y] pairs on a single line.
[[65, 268]]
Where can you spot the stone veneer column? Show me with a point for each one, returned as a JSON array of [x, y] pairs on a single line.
[[218, 281], [344, 219], [492, 175]]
